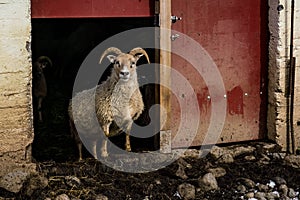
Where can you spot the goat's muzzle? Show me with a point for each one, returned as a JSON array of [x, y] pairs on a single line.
[[124, 75]]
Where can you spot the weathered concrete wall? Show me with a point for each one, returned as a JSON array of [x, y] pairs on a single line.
[[297, 81], [16, 131], [280, 27]]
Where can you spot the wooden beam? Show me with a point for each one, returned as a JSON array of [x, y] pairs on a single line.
[[165, 74]]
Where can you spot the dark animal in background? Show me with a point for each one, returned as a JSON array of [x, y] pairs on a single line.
[[39, 82]]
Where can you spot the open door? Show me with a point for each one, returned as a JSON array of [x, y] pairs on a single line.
[[233, 34]]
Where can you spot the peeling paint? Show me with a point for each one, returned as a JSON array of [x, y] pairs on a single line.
[[236, 101]]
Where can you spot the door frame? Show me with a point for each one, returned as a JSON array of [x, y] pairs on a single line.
[[165, 75]]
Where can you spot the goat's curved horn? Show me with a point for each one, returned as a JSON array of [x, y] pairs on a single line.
[[109, 50], [139, 50], [46, 58]]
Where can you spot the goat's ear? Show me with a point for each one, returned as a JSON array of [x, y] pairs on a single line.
[[137, 57], [111, 58]]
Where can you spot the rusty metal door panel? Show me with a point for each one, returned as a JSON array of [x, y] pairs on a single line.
[[230, 31], [91, 8]]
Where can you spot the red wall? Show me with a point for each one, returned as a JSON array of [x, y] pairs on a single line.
[[91, 8]]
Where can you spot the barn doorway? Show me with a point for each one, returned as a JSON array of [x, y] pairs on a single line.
[[67, 42]]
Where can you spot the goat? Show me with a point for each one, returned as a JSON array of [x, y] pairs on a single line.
[[39, 82], [118, 101]]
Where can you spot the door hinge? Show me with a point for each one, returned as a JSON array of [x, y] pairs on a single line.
[[174, 18]]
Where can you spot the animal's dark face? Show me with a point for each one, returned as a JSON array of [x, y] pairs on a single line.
[[124, 65], [40, 65], [38, 70], [44, 64]]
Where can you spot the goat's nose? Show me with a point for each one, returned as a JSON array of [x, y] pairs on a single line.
[[124, 73]]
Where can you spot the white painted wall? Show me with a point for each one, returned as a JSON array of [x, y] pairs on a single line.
[[16, 131], [279, 46]]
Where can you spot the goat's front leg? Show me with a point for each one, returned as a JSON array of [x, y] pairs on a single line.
[[94, 149], [104, 152], [127, 143], [79, 144]]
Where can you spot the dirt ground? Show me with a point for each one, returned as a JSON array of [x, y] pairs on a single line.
[[56, 157], [90, 179]]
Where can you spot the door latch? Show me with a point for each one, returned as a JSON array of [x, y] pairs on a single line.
[[174, 18], [174, 37]]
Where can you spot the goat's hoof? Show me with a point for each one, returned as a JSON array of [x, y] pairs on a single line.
[[128, 149], [104, 154]]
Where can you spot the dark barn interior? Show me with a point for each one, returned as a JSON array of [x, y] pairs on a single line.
[[67, 42]]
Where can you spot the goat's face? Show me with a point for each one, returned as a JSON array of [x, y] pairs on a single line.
[[38, 69], [124, 65], [41, 63]]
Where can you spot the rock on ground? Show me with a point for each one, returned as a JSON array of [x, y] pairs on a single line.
[[217, 172], [72, 181], [292, 193], [62, 197], [241, 189], [260, 195], [226, 158], [230, 152], [293, 160], [284, 189], [249, 195], [182, 165], [14, 181], [101, 197], [240, 150], [279, 181], [208, 182], [247, 182], [263, 187], [35, 182], [181, 173], [187, 191], [216, 152]]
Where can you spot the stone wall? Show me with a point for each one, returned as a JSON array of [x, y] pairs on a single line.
[[280, 27], [16, 129]]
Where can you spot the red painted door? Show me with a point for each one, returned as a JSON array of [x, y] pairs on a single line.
[[233, 33]]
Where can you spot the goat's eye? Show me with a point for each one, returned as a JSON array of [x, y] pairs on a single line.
[[117, 63], [132, 64]]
